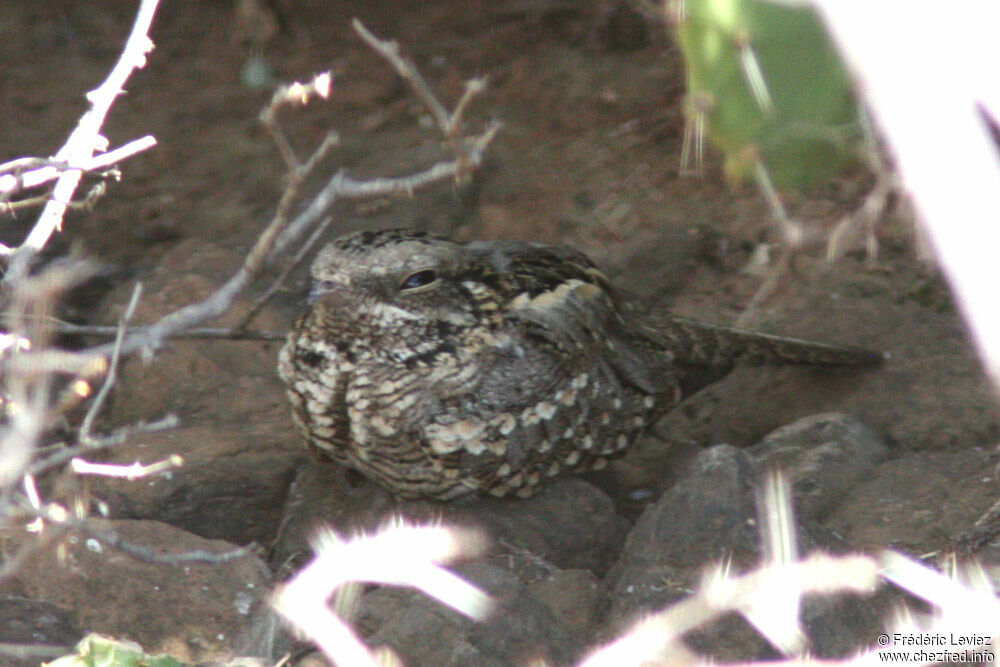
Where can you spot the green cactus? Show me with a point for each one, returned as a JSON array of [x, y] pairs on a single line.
[[767, 87], [99, 651]]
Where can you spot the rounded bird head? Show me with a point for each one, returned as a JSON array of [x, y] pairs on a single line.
[[395, 284]]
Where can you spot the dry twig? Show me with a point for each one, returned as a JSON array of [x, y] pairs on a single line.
[[282, 232], [26, 173], [63, 454], [130, 472], [264, 298], [29, 373], [106, 331], [78, 151], [112, 374]]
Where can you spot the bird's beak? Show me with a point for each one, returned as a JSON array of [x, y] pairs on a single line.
[[319, 290]]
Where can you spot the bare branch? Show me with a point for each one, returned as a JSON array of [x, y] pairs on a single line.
[[343, 186], [130, 472], [28, 383], [59, 518], [10, 207], [145, 554], [280, 234], [104, 331], [85, 139], [389, 49], [280, 280], [112, 376], [11, 183], [31, 493], [23, 164], [473, 87], [295, 93], [116, 437], [51, 360]]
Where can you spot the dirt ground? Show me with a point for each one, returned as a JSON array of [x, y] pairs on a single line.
[[589, 97]]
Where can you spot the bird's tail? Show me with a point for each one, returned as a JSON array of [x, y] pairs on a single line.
[[699, 343]]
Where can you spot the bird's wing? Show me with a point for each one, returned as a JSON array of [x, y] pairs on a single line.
[[556, 294]]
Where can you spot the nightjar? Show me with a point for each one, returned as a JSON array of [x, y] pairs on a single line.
[[443, 369]]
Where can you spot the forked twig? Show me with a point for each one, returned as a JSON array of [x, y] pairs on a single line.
[[116, 437], [264, 298], [281, 233], [84, 140], [42, 171]]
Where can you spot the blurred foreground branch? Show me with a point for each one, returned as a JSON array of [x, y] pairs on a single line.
[[953, 174], [376, 559]]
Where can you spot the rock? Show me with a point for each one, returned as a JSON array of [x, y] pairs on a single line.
[[919, 502], [568, 523], [709, 517], [231, 487], [420, 630], [195, 612], [840, 626], [42, 630], [324, 493], [824, 456], [648, 468], [423, 632], [521, 628], [208, 381], [573, 597]]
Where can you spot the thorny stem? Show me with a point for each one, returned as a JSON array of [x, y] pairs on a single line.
[[84, 140]]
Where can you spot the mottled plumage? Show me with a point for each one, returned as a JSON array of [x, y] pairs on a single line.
[[442, 369]]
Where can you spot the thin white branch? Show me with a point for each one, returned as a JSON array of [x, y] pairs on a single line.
[[129, 472], [116, 437], [11, 183], [31, 493], [295, 93], [86, 138], [376, 558]]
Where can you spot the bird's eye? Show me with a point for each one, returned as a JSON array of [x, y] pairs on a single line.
[[418, 279]]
